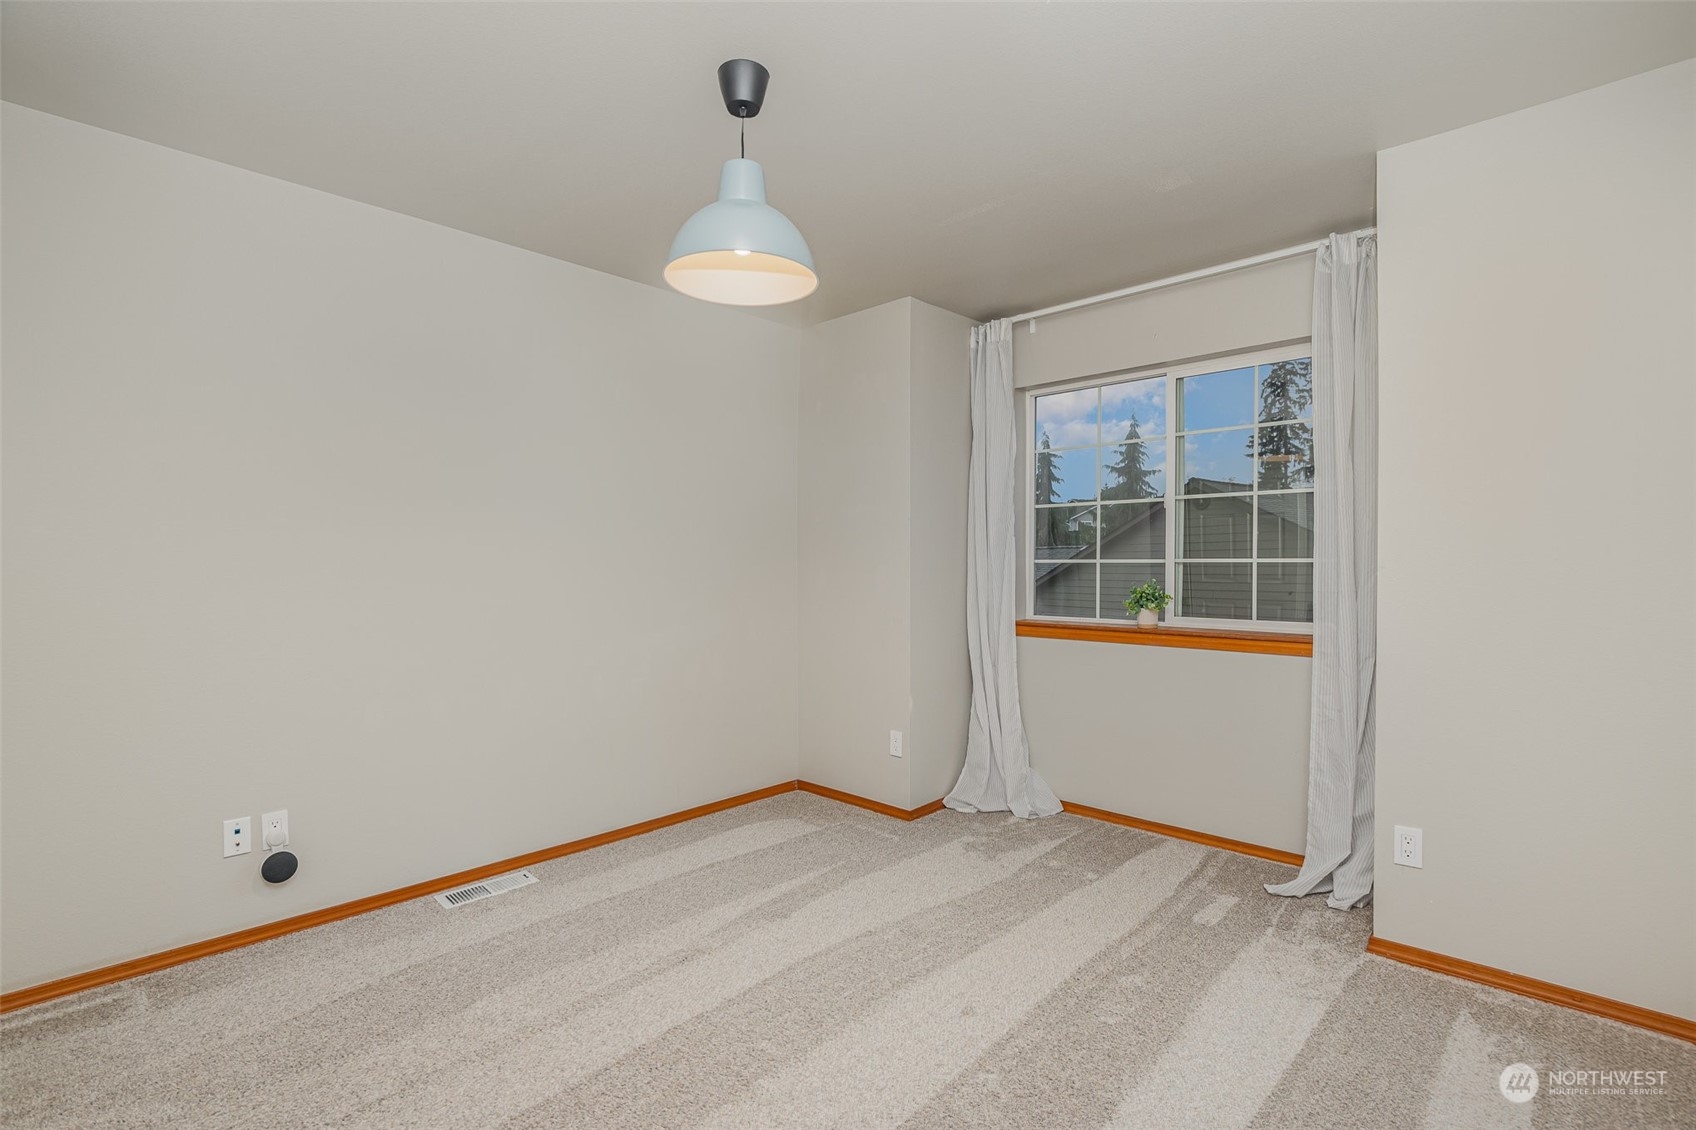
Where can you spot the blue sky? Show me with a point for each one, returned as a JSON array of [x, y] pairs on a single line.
[[1091, 416]]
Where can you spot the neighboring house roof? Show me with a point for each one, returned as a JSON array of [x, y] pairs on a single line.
[[1287, 507], [1046, 569]]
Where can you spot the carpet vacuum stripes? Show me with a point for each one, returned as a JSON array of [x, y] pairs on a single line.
[[800, 963]]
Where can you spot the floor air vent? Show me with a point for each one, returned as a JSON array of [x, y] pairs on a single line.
[[487, 889]]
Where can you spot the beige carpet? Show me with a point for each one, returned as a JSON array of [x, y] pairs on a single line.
[[800, 963]]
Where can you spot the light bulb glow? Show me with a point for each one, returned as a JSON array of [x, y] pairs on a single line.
[[758, 280]]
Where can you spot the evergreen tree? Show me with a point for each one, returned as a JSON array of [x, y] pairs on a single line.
[[1128, 475], [1047, 473], [1286, 453], [1050, 524]]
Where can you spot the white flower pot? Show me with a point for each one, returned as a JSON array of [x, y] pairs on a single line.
[[1148, 618]]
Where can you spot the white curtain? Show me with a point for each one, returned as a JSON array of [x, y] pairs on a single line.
[[998, 775], [1345, 575]]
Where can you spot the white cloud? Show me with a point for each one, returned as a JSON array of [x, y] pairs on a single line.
[[1068, 418], [1146, 400], [1152, 391], [1066, 405], [1071, 433]]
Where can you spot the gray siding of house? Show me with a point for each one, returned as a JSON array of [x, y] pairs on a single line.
[[1214, 527]]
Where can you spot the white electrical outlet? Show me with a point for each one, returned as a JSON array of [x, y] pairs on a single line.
[[895, 743], [274, 829], [1410, 846], [238, 836]]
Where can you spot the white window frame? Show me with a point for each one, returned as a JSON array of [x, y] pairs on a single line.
[[1171, 374]]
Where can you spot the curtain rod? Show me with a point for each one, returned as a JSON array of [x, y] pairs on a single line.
[[1188, 276]]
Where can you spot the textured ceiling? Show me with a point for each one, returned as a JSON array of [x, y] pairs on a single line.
[[988, 158]]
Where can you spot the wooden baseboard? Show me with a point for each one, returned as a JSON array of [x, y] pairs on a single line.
[[94, 978], [865, 802], [152, 963], [1662, 1022], [1177, 833]]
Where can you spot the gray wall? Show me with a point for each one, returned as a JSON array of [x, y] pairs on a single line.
[[1210, 740], [1215, 741], [1538, 368], [856, 543], [885, 440], [313, 506], [1266, 305], [941, 446]]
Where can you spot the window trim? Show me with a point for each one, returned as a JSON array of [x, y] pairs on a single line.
[[1171, 374], [1167, 635]]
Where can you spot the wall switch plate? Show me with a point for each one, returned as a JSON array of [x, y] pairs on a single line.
[[1410, 846], [895, 743], [238, 836], [274, 829]]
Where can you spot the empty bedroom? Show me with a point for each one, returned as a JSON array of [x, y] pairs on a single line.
[[729, 565]]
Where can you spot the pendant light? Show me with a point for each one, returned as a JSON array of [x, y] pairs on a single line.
[[739, 250]]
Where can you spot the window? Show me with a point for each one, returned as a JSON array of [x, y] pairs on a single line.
[[1200, 478]]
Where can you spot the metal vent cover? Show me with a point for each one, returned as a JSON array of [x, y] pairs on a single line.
[[487, 889]]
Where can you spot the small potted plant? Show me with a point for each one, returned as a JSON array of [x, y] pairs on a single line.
[[1146, 601]]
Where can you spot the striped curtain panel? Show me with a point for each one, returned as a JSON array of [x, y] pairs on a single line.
[[1345, 575], [997, 776]]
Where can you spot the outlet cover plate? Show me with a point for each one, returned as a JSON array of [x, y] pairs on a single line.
[[279, 821], [895, 743], [1409, 846]]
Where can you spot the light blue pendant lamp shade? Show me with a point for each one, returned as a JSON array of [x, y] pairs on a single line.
[[739, 250]]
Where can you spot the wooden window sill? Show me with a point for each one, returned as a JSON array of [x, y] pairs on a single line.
[[1206, 639]]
